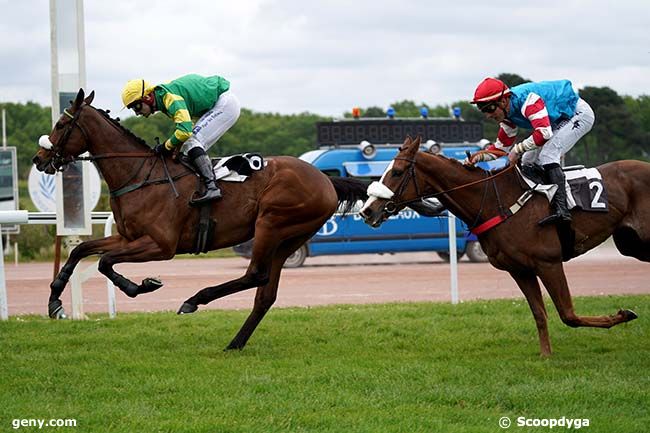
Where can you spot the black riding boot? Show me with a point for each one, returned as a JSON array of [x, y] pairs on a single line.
[[554, 174], [202, 163]]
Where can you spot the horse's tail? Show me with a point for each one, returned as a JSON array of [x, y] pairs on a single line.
[[349, 190]]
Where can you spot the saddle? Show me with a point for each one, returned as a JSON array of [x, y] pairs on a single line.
[[234, 168], [585, 188], [585, 191]]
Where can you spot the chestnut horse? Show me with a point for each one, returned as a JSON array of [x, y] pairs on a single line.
[[519, 245], [282, 205]]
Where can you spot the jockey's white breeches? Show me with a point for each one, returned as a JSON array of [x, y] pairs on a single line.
[[565, 135], [213, 124]]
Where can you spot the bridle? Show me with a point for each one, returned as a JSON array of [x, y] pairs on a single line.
[[59, 161], [391, 206]]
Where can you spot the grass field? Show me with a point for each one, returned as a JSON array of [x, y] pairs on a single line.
[[422, 367]]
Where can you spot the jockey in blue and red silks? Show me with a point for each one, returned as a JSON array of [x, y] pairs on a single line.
[[556, 114]]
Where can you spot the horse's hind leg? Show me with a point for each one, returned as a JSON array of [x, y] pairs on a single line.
[[266, 294], [527, 282], [629, 243], [552, 275], [143, 249], [84, 249]]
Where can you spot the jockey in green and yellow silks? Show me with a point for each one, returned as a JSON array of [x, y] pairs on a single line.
[[207, 99]]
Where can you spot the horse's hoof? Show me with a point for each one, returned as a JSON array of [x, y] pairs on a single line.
[[628, 315], [56, 311], [150, 285], [187, 308], [232, 346]]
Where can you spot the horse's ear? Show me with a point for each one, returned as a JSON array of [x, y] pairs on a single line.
[[417, 141], [79, 99], [407, 141], [89, 98]]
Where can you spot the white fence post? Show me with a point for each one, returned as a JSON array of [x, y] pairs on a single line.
[[453, 257], [110, 288], [4, 309], [7, 217], [25, 217]]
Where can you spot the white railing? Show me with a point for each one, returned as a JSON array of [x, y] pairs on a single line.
[[26, 217], [106, 218]]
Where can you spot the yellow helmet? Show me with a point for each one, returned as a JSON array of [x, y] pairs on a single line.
[[135, 90]]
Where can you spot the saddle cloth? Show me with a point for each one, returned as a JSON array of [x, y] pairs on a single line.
[[584, 186], [237, 168]]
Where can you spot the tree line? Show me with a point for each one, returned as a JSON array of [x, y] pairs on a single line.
[[621, 131]]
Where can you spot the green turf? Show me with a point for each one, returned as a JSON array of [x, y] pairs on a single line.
[[421, 367]]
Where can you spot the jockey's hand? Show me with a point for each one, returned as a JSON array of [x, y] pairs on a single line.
[[161, 149], [479, 156], [513, 157]]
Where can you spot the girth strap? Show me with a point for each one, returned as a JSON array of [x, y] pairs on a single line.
[[495, 221], [205, 230]]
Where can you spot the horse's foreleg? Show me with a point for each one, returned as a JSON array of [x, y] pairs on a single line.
[[527, 282], [552, 275], [143, 249], [84, 249]]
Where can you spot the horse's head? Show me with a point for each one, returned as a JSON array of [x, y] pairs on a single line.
[[67, 139], [396, 187]]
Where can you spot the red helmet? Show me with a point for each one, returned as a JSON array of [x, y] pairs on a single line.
[[489, 90]]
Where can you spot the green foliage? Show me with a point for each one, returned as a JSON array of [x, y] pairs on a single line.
[[269, 134], [418, 367], [512, 79], [25, 124], [616, 134], [374, 112], [157, 125]]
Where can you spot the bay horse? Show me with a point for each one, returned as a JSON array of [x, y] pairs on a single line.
[[518, 245], [282, 206]]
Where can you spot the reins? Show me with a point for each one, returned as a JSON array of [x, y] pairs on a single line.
[[114, 155], [127, 186], [476, 227], [456, 188]]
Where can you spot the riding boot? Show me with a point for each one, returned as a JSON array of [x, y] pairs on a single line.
[[561, 213], [204, 166]]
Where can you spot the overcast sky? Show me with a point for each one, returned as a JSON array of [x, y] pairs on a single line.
[[326, 57]]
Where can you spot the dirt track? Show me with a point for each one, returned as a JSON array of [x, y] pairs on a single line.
[[326, 280]]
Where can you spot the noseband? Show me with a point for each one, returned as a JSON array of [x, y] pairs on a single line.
[[60, 161], [390, 206]]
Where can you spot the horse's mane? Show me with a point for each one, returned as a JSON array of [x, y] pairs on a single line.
[[472, 168], [116, 122], [456, 162]]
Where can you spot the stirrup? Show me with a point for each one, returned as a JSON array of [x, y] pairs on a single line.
[[556, 218], [209, 195]]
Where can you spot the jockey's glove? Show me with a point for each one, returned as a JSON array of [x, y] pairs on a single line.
[[161, 149], [483, 155]]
